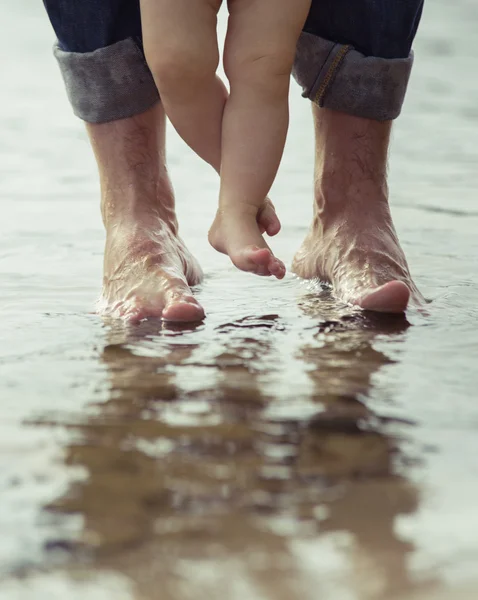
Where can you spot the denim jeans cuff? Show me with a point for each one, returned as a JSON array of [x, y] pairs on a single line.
[[338, 77], [108, 84]]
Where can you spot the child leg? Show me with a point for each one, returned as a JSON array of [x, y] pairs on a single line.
[[259, 52], [180, 43]]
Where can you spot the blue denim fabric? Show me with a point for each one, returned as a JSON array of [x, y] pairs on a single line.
[[87, 25], [353, 56], [383, 28]]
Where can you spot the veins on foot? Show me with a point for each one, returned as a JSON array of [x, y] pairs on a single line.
[[361, 258], [148, 272]]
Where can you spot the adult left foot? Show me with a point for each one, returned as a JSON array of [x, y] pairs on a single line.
[[357, 251], [148, 272]]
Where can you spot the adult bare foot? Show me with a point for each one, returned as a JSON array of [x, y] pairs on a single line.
[[238, 233], [147, 269], [148, 272], [352, 243], [359, 254]]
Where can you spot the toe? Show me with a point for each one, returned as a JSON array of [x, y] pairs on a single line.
[[135, 315], [184, 312], [277, 268], [181, 306], [259, 256], [134, 309], [268, 220], [254, 259], [393, 297]]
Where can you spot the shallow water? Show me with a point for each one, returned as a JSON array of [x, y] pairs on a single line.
[[288, 447]]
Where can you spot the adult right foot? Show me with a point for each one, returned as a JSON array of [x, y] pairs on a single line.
[[148, 272]]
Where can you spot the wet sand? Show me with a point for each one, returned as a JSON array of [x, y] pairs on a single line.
[[288, 447]]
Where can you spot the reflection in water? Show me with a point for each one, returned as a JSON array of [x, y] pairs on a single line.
[[214, 487], [251, 457]]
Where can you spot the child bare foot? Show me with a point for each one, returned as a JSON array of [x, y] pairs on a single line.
[[235, 232]]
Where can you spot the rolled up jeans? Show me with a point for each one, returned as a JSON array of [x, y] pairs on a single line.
[[354, 56]]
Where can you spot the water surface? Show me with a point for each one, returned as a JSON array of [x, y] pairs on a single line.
[[286, 448]]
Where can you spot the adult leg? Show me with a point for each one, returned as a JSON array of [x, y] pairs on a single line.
[[147, 269], [353, 61], [180, 43]]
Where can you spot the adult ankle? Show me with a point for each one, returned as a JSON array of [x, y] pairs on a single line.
[[337, 201], [138, 210]]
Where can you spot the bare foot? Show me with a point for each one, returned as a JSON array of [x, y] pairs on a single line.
[[147, 269], [148, 272], [238, 233], [359, 254], [352, 243]]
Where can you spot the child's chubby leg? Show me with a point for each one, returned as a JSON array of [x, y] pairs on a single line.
[[181, 48], [180, 41], [258, 57]]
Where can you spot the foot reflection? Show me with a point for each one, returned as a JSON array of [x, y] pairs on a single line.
[[205, 488]]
